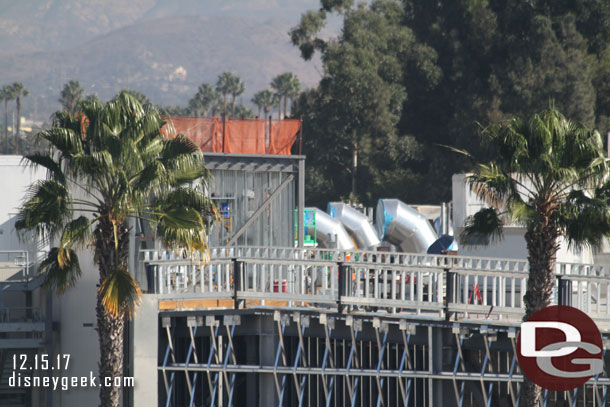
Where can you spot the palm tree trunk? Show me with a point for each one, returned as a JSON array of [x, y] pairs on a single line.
[[285, 105], [110, 328], [354, 165], [233, 106], [5, 126], [18, 124], [542, 246]]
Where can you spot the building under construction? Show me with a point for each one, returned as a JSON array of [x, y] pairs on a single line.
[[300, 306]]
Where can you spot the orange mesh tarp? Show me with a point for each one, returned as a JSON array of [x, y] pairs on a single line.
[[283, 135], [246, 136], [205, 132]]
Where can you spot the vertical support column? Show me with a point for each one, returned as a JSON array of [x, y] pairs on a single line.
[[145, 337], [435, 365], [237, 281], [48, 337], [268, 342], [301, 203], [344, 279], [564, 296]]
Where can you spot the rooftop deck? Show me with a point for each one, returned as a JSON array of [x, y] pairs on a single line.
[[434, 287]]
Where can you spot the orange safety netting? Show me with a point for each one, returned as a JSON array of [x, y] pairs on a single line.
[[245, 136]]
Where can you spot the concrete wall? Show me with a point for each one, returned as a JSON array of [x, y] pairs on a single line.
[[14, 182], [145, 335], [466, 203]]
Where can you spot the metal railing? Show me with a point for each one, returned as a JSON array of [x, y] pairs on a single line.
[[20, 314], [16, 259], [455, 287]]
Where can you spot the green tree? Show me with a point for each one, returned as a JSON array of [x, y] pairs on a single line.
[[547, 176], [237, 88], [263, 101], [227, 84], [355, 111], [115, 166], [71, 95], [7, 95], [286, 86], [203, 100], [242, 112], [18, 91]]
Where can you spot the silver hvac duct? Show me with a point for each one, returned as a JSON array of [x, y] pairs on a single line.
[[356, 224], [402, 226], [330, 233]]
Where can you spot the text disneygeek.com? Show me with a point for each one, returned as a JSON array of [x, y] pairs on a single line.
[[64, 383]]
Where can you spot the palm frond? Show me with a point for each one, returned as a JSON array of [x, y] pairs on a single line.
[[46, 208], [77, 233], [46, 161], [483, 225], [60, 269], [120, 293]]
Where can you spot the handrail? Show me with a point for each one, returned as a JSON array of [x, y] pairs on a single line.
[[441, 286]]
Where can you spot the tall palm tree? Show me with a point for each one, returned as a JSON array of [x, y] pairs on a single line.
[[549, 175], [263, 101], [71, 95], [286, 86], [293, 88], [280, 85], [19, 91], [103, 167], [224, 85], [237, 88], [7, 95]]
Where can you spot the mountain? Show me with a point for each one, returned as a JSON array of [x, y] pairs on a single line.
[[164, 58], [52, 25]]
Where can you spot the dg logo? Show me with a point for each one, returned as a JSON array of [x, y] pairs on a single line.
[[560, 348]]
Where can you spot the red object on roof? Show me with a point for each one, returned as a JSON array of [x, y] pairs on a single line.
[[244, 136]]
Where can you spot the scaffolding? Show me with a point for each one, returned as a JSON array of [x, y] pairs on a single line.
[[355, 328]]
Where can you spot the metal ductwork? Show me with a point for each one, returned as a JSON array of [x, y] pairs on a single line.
[[356, 224], [330, 232], [403, 226]]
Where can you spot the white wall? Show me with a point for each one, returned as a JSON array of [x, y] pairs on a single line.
[[512, 246], [14, 182], [71, 310]]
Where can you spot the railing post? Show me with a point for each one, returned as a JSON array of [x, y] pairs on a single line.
[[449, 291], [237, 280], [342, 286], [564, 295]]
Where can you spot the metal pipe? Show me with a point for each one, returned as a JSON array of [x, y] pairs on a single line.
[[356, 224], [402, 226], [329, 228]]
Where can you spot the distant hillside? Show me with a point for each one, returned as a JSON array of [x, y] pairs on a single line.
[[165, 58], [52, 25]]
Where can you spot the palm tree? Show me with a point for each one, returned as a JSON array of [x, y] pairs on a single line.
[[293, 88], [103, 167], [7, 95], [19, 91], [263, 101], [280, 85], [549, 175], [223, 87], [205, 97], [286, 86], [71, 95], [237, 88]]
